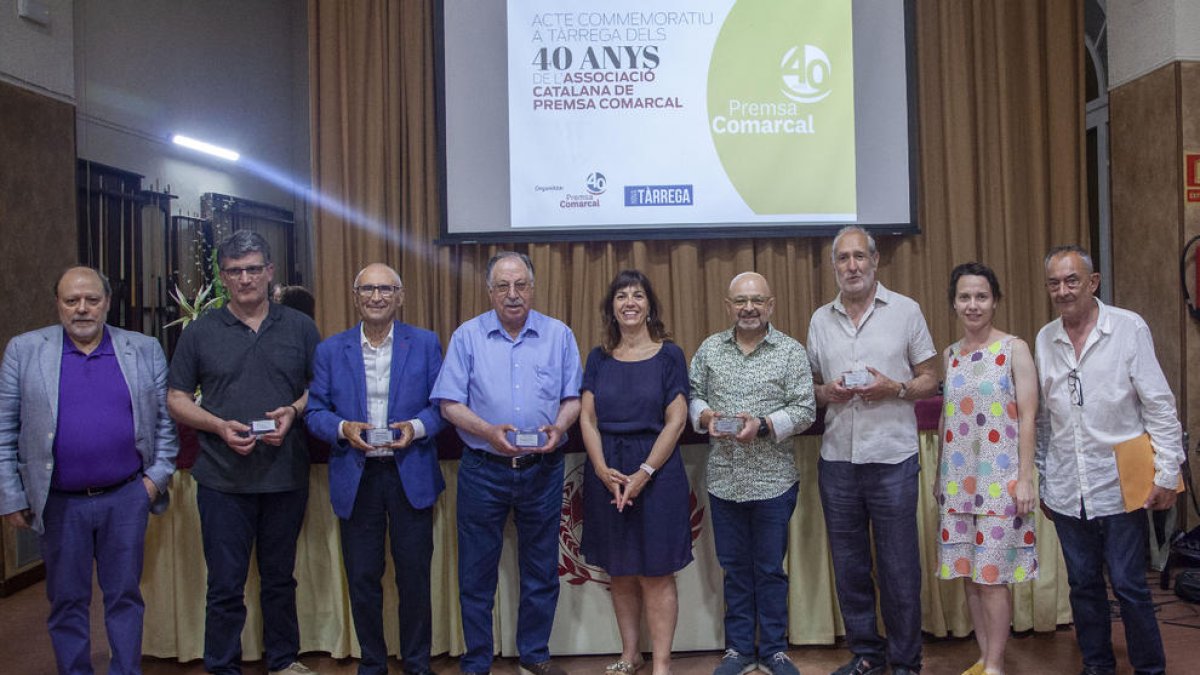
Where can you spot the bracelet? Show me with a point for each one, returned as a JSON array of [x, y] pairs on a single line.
[[648, 469], [295, 410]]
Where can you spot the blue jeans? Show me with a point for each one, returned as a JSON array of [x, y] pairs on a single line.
[[382, 510], [879, 500], [751, 540], [109, 529], [1118, 542], [231, 525], [487, 492]]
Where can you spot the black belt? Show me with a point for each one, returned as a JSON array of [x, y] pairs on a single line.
[[512, 462], [94, 491]]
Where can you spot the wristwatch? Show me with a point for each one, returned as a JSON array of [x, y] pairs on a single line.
[[763, 429], [903, 391]]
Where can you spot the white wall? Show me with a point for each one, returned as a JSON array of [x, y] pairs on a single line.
[[38, 57], [1144, 35], [230, 72]]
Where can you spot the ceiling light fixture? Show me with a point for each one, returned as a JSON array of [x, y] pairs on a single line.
[[208, 148]]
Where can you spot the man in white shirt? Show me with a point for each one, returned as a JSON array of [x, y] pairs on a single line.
[[1101, 385], [872, 356], [384, 477]]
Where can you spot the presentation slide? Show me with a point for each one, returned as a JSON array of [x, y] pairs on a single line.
[[648, 111], [673, 118]]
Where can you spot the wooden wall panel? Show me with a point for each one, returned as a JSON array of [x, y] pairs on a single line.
[[1189, 106], [1146, 228], [37, 205]]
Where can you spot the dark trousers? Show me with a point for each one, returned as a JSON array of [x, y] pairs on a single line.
[[382, 510], [1118, 543], [232, 525], [751, 540], [487, 492], [109, 529], [861, 502]]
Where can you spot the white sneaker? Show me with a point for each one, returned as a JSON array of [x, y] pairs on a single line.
[[296, 668]]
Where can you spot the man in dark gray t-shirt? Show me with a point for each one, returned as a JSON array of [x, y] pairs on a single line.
[[252, 361], [243, 374]]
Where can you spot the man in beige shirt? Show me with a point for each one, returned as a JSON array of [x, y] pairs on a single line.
[[872, 356]]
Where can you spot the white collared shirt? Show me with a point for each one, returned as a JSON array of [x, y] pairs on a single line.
[[1124, 393], [891, 337], [377, 363]]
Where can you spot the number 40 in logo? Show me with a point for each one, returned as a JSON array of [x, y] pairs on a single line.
[[596, 183], [805, 74]]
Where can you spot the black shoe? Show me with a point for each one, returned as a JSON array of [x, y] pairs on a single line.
[[546, 667], [903, 670], [1097, 670], [861, 666]]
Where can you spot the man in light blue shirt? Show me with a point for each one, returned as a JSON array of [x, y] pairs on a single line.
[[510, 384]]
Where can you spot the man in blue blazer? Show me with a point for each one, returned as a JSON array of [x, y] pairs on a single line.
[[369, 399], [87, 450]]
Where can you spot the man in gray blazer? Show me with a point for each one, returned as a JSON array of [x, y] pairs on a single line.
[[87, 450]]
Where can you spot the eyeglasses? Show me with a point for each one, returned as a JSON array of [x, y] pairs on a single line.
[[368, 290], [236, 272], [1076, 387], [521, 287], [1072, 283], [756, 301]]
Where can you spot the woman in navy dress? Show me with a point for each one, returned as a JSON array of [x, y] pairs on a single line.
[[636, 523]]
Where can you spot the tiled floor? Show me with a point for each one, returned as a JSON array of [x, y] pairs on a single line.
[[25, 648]]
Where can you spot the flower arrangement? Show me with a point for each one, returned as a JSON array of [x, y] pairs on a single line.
[[210, 295]]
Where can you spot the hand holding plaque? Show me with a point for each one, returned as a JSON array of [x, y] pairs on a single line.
[[856, 379], [526, 440], [727, 425]]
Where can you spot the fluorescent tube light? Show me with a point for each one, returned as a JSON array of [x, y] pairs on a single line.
[[209, 148]]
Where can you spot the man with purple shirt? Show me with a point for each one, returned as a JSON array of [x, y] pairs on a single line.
[[86, 452]]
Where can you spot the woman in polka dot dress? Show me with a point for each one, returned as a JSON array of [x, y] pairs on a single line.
[[985, 468]]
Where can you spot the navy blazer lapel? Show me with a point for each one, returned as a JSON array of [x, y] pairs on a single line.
[[358, 372], [401, 346]]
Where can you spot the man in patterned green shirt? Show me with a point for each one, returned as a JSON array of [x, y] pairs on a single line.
[[752, 391]]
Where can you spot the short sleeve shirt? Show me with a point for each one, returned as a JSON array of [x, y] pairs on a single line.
[[242, 375], [504, 380], [891, 337]]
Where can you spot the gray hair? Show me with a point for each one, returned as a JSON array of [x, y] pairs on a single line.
[[1066, 249], [850, 229], [508, 254], [103, 279], [241, 244]]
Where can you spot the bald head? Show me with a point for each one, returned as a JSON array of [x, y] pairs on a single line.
[[749, 280], [750, 304], [378, 294], [377, 269]]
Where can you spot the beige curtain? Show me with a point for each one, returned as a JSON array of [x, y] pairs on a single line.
[[174, 578], [1000, 110]]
